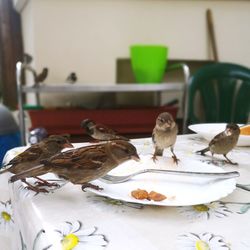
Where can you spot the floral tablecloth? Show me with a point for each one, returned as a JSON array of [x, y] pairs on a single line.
[[68, 218]]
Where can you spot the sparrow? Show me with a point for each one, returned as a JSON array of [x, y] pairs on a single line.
[[39, 78], [72, 78], [34, 154], [164, 135], [84, 164], [100, 132], [223, 142], [27, 58]]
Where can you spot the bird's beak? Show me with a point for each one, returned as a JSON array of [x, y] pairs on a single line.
[[135, 157], [68, 145]]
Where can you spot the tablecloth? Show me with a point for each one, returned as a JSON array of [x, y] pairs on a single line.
[[68, 218]]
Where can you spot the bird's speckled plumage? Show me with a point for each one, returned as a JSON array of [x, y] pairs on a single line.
[[223, 142], [100, 131], [82, 165], [164, 134], [37, 152]]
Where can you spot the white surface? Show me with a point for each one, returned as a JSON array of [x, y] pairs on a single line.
[[209, 130], [179, 190], [129, 225]]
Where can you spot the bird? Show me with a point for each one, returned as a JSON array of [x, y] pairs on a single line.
[[100, 132], [71, 78], [39, 78], [223, 142], [35, 153], [27, 58], [84, 164], [164, 135]]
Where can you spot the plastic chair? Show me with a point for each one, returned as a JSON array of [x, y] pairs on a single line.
[[224, 90]]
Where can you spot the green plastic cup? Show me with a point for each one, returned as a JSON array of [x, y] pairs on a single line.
[[149, 62]]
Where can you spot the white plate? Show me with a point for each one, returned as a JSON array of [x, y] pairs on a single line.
[[209, 130], [180, 190]]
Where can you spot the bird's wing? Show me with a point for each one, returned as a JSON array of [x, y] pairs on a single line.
[[81, 158], [105, 129], [217, 138], [30, 154]]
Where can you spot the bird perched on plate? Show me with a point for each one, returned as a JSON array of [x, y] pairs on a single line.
[[100, 132], [164, 135], [72, 78], [34, 154], [82, 165], [223, 142]]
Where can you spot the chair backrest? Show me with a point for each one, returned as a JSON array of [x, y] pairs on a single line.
[[224, 90]]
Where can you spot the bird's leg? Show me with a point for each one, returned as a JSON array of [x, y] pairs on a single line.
[[213, 161], [42, 182], [158, 152], [229, 161], [89, 185], [154, 158], [174, 156], [33, 188]]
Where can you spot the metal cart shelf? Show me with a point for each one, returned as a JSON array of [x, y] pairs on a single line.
[[101, 88]]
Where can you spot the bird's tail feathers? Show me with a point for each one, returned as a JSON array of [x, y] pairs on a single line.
[[4, 169], [203, 151], [25, 174]]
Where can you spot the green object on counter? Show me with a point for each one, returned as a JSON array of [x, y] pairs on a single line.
[[32, 107], [149, 62]]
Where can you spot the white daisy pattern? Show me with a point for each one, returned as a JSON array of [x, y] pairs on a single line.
[[6, 216], [203, 241], [109, 203], [25, 192], [74, 237], [206, 211]]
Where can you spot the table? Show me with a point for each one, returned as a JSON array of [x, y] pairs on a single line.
[[82, 220]]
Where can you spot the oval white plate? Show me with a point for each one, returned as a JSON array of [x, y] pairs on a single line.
[[180, 190], [209, 130]]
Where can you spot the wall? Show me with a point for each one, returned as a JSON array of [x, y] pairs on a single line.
[[87, 36]]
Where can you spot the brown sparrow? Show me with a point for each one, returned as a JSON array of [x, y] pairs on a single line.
[[71, 78], [164, 135], [100, 131], [82, 165], [42, 76], [223, 142], [37, 152]]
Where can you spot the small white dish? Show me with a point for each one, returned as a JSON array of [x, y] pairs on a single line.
[[209, 130]]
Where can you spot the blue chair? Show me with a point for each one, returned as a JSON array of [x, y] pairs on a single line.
[[9, 132]]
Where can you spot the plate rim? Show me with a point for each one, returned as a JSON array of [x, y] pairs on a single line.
[[244, 140]]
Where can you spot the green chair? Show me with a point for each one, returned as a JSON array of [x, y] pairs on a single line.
[[224, 94]]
